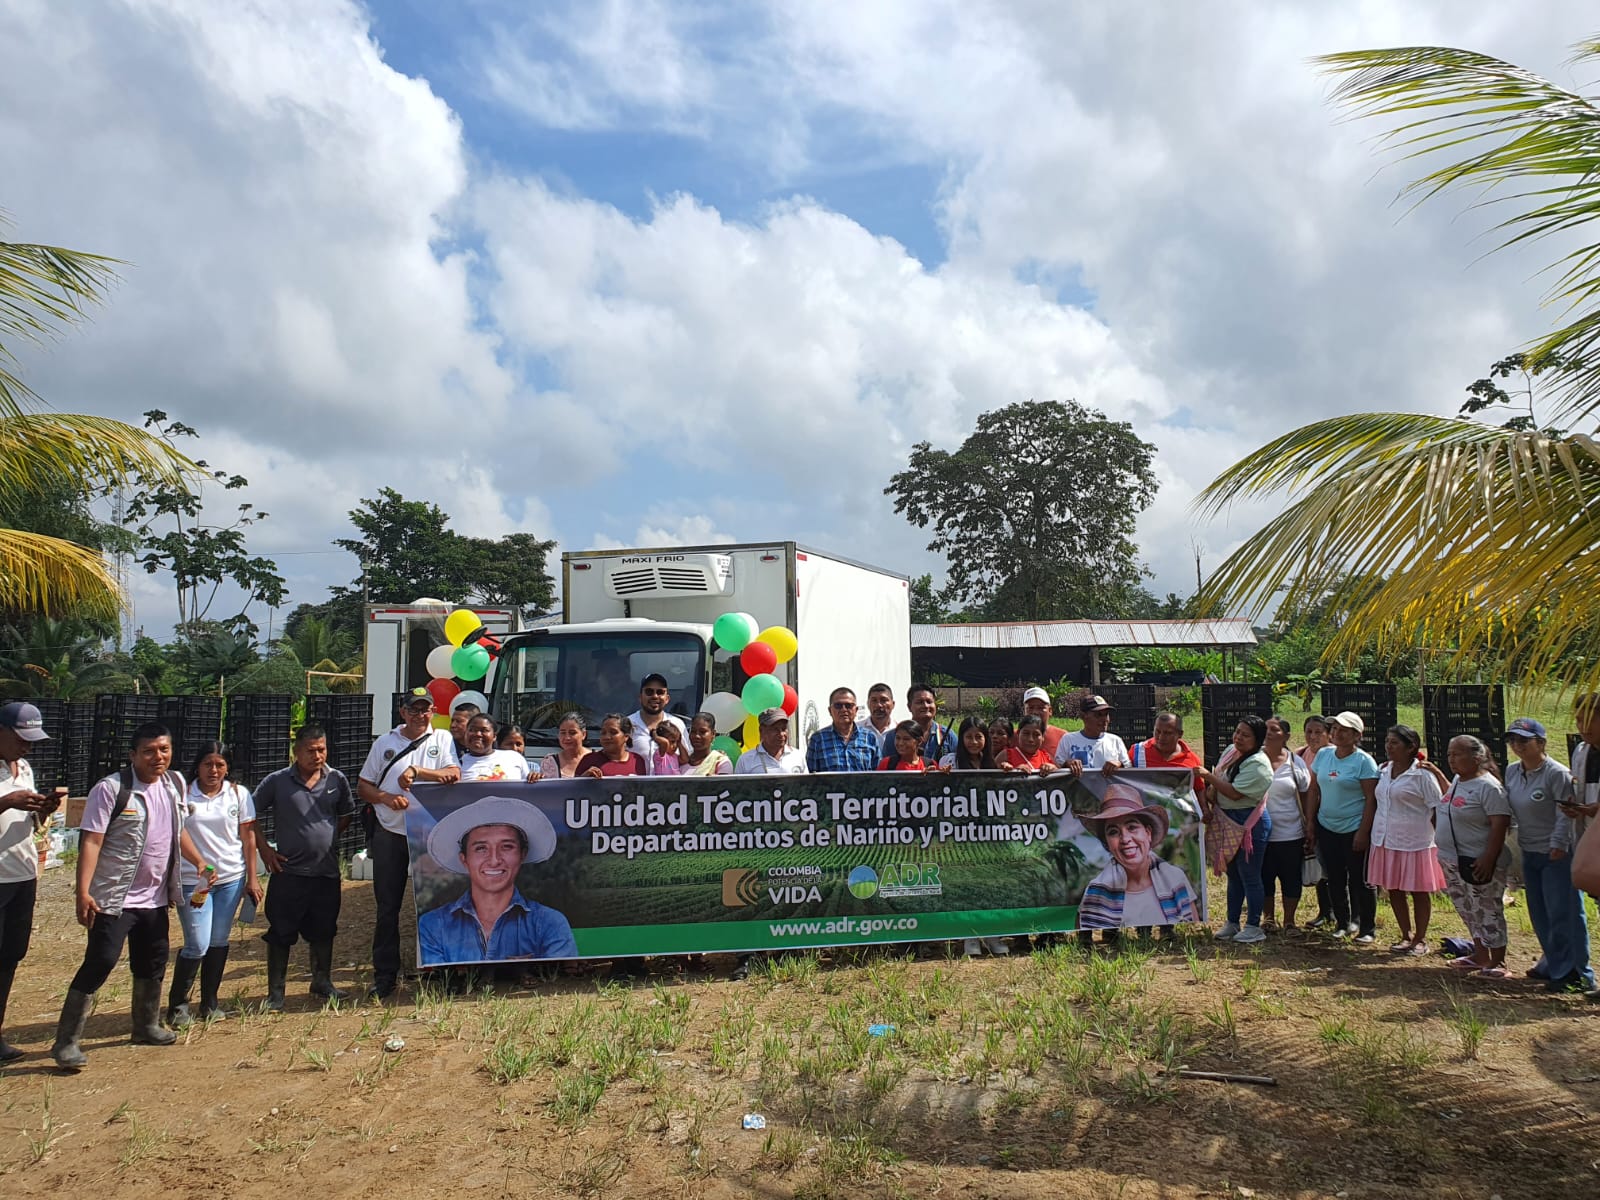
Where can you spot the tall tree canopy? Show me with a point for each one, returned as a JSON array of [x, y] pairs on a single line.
[[1035, 511], [1486, 539], [408, 551]]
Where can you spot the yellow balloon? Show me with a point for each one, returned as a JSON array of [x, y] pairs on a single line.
[[752, 733], [458, 624], [781, 640], [440, 721]]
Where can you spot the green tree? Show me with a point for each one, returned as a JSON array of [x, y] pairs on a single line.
[[64, 659], [1484, 539], [408, 551], [201, 557], [1035, 511]]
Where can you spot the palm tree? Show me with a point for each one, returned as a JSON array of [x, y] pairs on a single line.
[[63, 659], [1482, 540], [43, 290]]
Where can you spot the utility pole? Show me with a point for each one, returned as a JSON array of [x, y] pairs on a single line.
[[1199, 548]]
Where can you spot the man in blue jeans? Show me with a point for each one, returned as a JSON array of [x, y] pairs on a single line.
[[413, 750]]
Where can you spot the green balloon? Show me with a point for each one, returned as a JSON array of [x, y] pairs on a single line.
[[762, 692], [734, 631], [727, 745], [470, 663]]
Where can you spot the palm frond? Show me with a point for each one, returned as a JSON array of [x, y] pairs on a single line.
[[1502, 125], [1486, 540], [43, 290], [89, 449], [48, 575]]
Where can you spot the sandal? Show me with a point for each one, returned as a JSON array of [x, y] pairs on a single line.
[[1419, 949], [1403, 946], [1492, 973], [1466, 963]]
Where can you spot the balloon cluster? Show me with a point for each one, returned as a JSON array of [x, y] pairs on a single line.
[[465, 658], [760, 652]]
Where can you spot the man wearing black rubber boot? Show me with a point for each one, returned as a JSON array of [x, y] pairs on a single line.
[[313, 804], [128, 850], [22, 810], [409, 752]]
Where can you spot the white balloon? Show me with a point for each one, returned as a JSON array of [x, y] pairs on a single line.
[[728, 709], [477, 698], [438, 662]]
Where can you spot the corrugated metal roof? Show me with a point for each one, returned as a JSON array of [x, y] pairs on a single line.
[[1032, 635]]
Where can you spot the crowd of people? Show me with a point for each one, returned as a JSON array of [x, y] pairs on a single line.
[[1278, 819]]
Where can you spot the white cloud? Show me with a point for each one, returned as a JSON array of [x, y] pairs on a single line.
[[328, 282]]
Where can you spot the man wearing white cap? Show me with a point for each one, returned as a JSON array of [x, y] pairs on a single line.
[[22, 810], [773, 756], [1036, 703], [489, 841]]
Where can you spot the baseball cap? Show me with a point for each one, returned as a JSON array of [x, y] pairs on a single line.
[[416, 697], [1350, 720], [771, 716], [1095, 704], [1036, 693], [24, 720], [1526, 727]]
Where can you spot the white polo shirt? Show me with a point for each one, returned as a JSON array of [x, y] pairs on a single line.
[[759, 762], [19, 861], [437, 749]]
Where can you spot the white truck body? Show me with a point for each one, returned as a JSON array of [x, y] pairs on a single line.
[[628, 612], [396, 640]]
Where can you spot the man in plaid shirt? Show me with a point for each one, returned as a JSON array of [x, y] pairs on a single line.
[[843, 746]]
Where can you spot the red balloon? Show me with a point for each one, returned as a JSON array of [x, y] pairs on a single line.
[[791, 699], [758, 658], [443, 691]]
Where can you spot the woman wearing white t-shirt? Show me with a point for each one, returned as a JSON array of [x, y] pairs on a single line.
[[1283, 865], [1404, 860], [482, 762], [220, 820]]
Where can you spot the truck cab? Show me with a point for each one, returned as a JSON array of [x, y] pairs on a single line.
[[595, 668]]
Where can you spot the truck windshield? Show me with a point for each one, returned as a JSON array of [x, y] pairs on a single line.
[[538, 679]]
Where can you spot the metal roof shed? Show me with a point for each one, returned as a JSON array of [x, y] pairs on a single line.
[[1002, 652]]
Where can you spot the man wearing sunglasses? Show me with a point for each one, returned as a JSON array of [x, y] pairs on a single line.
[[844, 745], [653, 699]]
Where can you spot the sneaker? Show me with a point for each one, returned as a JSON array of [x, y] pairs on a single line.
[[1228, 932], [1352, 929], [1320, 922], [1339, 935], [1250, 933], [1365, 939]]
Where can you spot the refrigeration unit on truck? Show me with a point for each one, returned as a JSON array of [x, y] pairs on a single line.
[[397, 640], [629, 613]]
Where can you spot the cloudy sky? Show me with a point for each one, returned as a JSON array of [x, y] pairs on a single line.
[[651, 273]]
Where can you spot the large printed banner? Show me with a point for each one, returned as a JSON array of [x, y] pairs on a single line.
[[601, 868]]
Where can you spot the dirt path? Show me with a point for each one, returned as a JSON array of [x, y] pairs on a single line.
[[1038, 1075]]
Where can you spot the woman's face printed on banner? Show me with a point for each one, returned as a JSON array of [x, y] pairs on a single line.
[[1129, 843]]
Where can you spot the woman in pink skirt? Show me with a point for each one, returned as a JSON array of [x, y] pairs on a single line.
[[1403, 859]]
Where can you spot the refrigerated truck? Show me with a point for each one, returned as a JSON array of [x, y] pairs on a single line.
[[629, 613], [396, 640]]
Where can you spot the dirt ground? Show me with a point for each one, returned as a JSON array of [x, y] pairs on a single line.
[[1043, 1074]]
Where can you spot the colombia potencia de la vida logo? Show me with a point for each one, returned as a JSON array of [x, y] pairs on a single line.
[[863, 883]]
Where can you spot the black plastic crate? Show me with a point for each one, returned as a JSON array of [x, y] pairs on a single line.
[[1222, 705], [258, 734], [79, 738], [1133, 716], [48, 758], [194, 721], [1375, 703], [333, 709], [115, 719], [1449, 710]]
